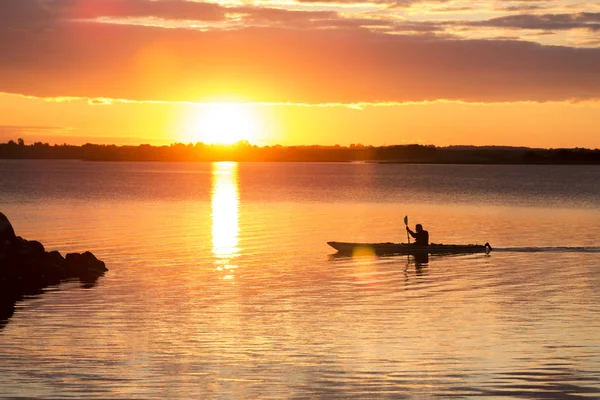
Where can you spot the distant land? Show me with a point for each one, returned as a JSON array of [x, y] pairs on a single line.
[[244, 151]]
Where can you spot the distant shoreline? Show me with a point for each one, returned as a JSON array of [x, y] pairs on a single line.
[[244, 152]]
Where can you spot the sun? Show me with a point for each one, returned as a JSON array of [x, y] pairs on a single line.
[[223, 123]]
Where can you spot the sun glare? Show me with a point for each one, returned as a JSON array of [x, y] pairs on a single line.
[[223, 123]]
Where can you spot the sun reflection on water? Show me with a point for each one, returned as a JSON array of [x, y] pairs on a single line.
[[225, 216]]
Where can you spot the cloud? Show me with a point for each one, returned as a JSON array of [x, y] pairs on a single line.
[[100, 102], [454, 9], [388, 3], [46, 13], [549, 22], [300, 60], [166, 9], [15, 130], [269, 15], [522, 7], [30, 16]]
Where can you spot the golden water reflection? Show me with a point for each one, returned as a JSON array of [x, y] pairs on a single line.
[[225, 216]]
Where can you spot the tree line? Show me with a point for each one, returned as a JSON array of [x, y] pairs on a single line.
[[244, 151]]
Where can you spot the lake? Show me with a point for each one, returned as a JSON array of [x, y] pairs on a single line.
[[221, 284]]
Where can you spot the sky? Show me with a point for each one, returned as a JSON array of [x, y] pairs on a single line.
[[379, 72]]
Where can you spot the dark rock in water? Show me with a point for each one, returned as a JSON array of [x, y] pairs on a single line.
[[86, 260], [26, 268], [35, 247], [84, 265], [7, 234]]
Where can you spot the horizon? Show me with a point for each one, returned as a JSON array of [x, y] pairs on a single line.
[[126, 72], [244, 142]]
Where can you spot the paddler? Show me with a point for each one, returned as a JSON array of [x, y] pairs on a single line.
[[421, 236]]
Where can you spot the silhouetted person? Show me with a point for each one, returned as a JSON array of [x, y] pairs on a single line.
[[421, 236]]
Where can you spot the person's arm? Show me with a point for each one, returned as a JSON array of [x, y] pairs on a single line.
[[411, 232]]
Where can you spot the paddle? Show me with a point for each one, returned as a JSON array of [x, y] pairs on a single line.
[[406, 223]]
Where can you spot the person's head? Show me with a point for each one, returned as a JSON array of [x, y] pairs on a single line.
[[419, 227]]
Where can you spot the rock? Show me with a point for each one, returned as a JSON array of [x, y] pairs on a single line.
[[7, 236], [7, 233], [27, 268], [84, 263], [54, 257], [36, 248]]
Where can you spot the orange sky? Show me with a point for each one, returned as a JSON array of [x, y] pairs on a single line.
[[332, 72]]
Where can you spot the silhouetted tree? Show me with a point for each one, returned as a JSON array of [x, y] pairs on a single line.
[[244, 151]]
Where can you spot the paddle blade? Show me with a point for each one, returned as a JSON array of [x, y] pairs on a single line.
[[406, 220]]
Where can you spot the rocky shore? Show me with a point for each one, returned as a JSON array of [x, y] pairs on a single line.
[[26, 268]]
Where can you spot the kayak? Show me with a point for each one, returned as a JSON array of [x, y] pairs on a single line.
[[403, 248]]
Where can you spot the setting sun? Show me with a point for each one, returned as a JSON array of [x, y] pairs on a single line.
[[222, 123]]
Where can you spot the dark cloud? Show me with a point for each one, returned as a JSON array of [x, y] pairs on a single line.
[[24, 15], [523, 2], [327, 19], [454, 9], [389, 3], [504, 38], [35, 14], [521, 8], [258, 15], [549, 22], [165, 9], [43, 13], [384, 25], [99, 60], [280, 64]]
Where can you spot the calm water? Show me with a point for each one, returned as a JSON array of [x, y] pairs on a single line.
[[221, 284]]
